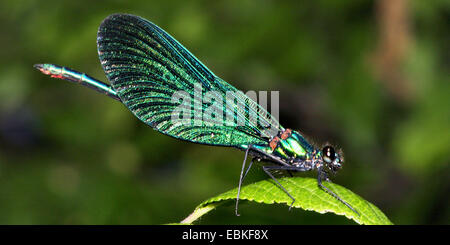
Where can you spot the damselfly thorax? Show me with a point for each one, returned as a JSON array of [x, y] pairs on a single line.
[[290, 147]]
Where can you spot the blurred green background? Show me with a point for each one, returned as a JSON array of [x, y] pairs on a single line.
[[371, 77]]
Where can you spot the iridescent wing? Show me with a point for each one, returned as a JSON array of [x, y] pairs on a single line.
[[146, 67]]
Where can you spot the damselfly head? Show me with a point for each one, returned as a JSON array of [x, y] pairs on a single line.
[[332, 159]]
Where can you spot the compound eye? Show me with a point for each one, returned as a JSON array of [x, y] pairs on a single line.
[[328, 154]]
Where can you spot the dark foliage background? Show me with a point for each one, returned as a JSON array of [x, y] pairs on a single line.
[[370, 76]]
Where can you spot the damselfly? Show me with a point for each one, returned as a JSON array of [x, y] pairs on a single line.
[[146, 67]]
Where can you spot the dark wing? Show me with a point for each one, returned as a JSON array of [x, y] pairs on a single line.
[[147, 67]]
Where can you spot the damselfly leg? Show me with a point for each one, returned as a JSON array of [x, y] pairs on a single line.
[[323, 176], [287, 168], [242, 177]]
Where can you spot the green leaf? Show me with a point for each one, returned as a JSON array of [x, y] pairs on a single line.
[[308, 196]]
